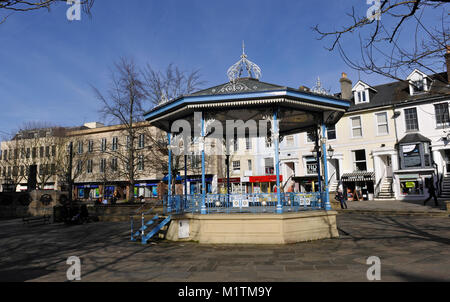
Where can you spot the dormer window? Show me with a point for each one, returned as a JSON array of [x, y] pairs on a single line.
[[362, 92], [361, 96], [418, 86], [418, 82]]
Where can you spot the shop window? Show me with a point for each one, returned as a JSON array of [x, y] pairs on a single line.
[[411, 156], [411, 187], [359, 163]]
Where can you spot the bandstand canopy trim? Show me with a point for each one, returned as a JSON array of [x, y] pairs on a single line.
[[298, 109]]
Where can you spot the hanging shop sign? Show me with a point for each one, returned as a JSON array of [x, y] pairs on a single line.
[[358, 177], [232, 180]]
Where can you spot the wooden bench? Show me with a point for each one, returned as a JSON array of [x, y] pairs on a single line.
[[36, 220]]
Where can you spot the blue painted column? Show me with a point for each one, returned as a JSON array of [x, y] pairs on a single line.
[[318, 159], [326, 200], [202, 146], [169, 182], [276, 136]]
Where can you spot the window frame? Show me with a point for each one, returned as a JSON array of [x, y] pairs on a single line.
[[355, 162], [378, 125], [442, 124], [360, 126], [406, 120]]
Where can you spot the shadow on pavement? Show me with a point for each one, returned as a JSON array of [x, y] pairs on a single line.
[[22, 274]]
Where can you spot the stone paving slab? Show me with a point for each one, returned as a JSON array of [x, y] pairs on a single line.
[[403, 207], [410, 249]]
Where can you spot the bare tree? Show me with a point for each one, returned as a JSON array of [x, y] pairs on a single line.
[[163, 87], [170, 84], [15, 6], [385, 33], [124, 103]]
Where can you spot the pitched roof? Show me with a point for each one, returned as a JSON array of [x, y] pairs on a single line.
[[396, 93], [413, 138]]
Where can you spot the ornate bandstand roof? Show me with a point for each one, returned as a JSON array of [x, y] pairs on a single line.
[[249, 98]]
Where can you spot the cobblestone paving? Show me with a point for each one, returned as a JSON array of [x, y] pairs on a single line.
[[411, 248]]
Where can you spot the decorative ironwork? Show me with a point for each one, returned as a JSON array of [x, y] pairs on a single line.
[[234, 87], [319, 89], [236, 70]]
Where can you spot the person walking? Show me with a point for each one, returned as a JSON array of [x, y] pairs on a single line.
[[341, 199], [432, 192]]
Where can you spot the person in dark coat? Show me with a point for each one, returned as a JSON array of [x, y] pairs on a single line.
[[432, 192], [341, 199]]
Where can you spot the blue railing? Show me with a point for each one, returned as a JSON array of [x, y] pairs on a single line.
[[243, 203]]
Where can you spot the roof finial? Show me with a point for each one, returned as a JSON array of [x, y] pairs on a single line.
[[235, 71], [319, 89]]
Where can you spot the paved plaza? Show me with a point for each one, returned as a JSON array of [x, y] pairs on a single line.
[[411, 248]]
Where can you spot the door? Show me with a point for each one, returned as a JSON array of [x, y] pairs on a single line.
[[447, 160], [388, 164]]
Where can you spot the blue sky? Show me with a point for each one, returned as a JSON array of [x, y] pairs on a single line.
[[48, 63]]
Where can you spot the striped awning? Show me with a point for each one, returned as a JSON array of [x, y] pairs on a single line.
[[358, 176]]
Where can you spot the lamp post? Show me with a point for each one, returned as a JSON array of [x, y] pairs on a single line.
[[330, 151]]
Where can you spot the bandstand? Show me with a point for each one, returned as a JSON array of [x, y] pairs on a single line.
[[277, 111]]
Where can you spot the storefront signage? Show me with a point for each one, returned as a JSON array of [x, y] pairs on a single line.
[[232, 180], [357, 178], [410, 184], [265, 178]]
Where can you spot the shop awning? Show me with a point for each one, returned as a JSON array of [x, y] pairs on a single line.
[[408, 176], [358, 176]]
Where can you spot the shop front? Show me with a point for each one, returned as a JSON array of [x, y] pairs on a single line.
[[195, 184], [307, 183], [235, 184], [87, 191], [358, 185], [262, 184], [146, 189], [414, 185]]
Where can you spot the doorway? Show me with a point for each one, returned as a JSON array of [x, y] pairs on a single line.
[[387, 160]]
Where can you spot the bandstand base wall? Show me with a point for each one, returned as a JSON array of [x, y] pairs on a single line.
[[256, 228]]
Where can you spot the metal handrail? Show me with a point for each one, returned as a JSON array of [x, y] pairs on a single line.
[[377, 187], [331, 177]]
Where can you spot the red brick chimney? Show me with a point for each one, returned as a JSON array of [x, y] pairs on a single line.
[[346, 87]]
